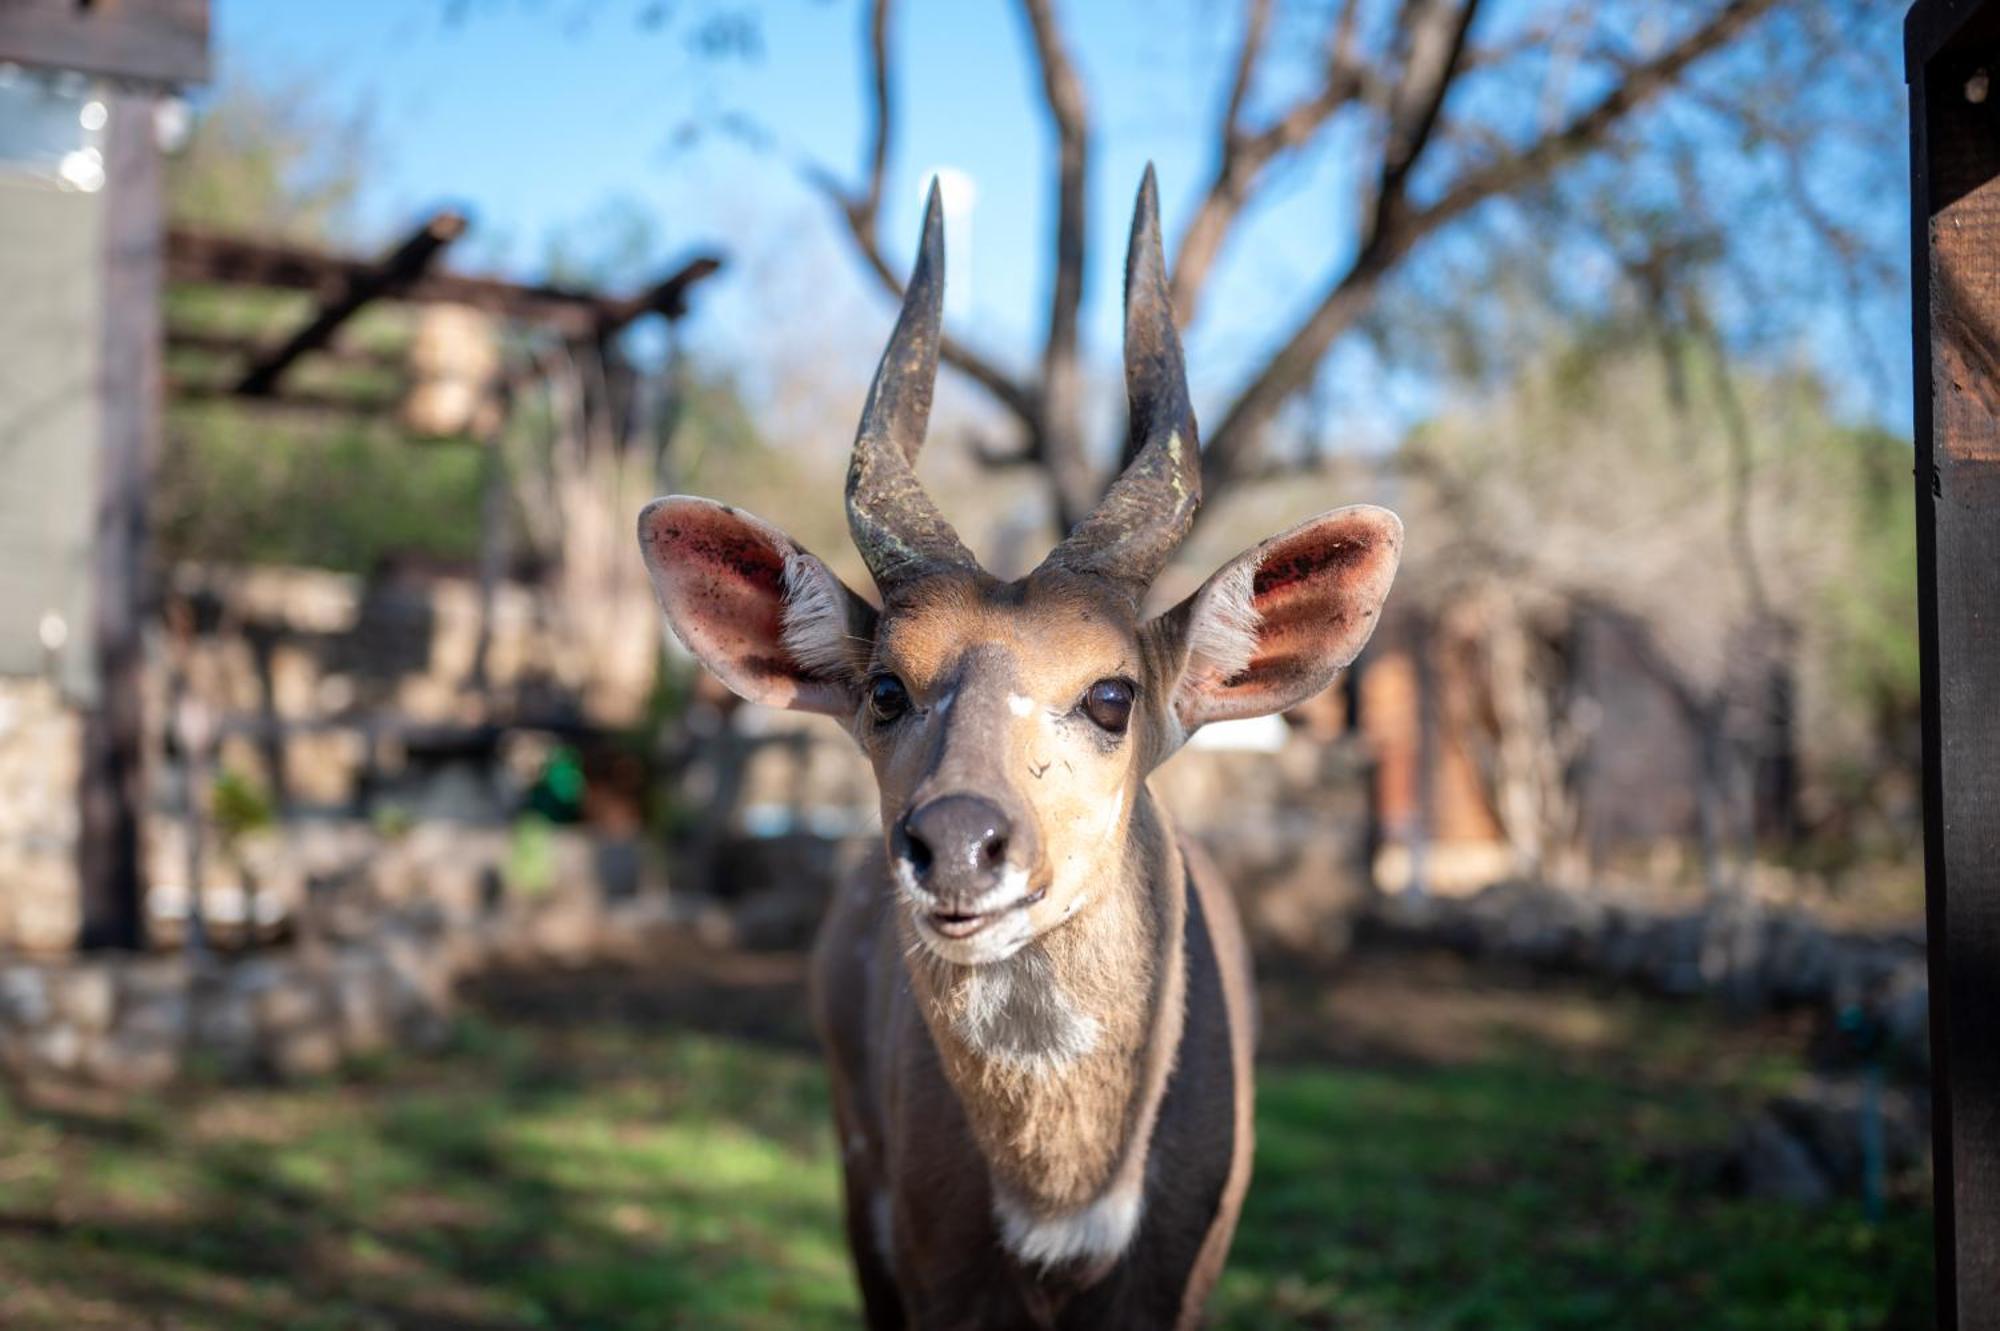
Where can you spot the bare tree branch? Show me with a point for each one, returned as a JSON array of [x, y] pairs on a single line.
[[1646, 80], [1242, 155], [1060, 443], [1437, 45], [861, 211], [1256, 23], [1294, 363]]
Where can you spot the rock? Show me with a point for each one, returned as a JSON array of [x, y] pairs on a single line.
[[363, 1002], [311, 1051], [224, 1027], [565, 930], [134, 1060], [1777, 1166], [161, 1016], [24, 996], [1905, 1014], [292, 1003], [1831, 1117], [88, 995], [58, 1047]]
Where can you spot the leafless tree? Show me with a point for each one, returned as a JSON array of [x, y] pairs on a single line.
[[1420, 78]]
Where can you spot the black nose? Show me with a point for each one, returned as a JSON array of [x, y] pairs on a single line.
[[956, 845]]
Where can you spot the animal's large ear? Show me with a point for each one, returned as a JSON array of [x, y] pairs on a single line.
[[1274, 625], [771, 621]]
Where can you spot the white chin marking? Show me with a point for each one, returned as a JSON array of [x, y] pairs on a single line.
[[1100, 1231], [999, 940], [996, 942]]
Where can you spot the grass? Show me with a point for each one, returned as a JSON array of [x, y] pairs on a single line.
[[606, 1159]]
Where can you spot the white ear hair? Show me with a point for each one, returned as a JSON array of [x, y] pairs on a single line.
[[814, 626], [1222, 633]]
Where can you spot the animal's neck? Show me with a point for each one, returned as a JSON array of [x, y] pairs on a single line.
[[1060, 1054]]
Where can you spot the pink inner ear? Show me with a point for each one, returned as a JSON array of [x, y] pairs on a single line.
[[1306, 601], [731, 582], [1316, 594], [720, 575]]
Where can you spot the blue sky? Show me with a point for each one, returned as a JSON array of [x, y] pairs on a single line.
[[537, 114]]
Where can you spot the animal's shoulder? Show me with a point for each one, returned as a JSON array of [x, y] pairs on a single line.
[[847, 947]]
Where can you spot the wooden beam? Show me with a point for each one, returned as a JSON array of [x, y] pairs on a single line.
[[110, 865], [237, 347], [394, 274], [668, 297], [207, 257], [200, 257], [152, 41], [1951, 48]]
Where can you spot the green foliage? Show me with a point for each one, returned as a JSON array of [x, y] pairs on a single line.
[[1873, 615], [1727, 511], [267, 157], [261, 487], [531, 856], [1516, 1195], [593, 1173], [238, 806], [238, 487]]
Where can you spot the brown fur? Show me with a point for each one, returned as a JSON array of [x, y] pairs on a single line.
[[932, 1127], [1049, 1129]]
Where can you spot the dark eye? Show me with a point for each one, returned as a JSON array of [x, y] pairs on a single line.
[[887, 698], [1109, 704]]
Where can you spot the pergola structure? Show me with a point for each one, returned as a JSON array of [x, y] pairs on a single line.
[[1952, 49], [408, 272], [90, 336]]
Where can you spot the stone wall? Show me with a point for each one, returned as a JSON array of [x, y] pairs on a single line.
[[41, 749], [319, 689], [1872, 988], [143, 1022]]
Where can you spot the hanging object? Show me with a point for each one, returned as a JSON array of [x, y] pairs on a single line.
[[454, 362]]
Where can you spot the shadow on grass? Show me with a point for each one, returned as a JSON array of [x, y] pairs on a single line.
[[1519, 1195], [582, 1175], [624, 1151]]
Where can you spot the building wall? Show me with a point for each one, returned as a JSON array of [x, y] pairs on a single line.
[[49, 326], [49, 336]]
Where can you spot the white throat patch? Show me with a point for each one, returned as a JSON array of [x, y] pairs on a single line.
[[1016, 1014], [1100, 1231]]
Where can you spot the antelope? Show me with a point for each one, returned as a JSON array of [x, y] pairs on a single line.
[[1034, 997]]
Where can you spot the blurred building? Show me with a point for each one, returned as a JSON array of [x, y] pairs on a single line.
[[87, 91]]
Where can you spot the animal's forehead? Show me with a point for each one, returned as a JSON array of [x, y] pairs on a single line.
[[1039, 621]]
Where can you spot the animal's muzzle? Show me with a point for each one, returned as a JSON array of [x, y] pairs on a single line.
[[966, 854]]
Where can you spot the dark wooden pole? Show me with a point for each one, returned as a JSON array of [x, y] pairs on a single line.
[[401, 267], [110, 865], [1952, 49]]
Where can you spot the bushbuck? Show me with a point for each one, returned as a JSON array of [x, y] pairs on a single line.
[[1035, 1000]]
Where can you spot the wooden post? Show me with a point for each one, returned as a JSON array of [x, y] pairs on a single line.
[[110, 864], [1952, 49]]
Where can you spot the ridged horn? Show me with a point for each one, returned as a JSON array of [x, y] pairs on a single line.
[[1130, 535], [898, 530]]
